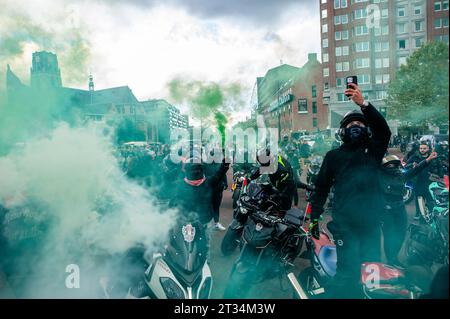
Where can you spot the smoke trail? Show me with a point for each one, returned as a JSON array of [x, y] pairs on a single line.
[[67, 203]]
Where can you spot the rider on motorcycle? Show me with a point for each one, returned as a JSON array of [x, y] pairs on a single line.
[[282, 179], [392, 179]]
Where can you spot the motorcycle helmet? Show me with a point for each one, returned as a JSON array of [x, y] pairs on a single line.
[[391, 161], [264, 157], [354, 134]]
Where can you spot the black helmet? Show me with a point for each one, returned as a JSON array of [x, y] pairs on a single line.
[[391, 159], [355, 115], [193, 169], [264, 157]]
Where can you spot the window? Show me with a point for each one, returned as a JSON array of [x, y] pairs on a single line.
[[401, 12], [345, 66], [302, 105], [324, 28], [381, 46], [445, 5], [402, 44], [379, 79], [437, 23], [337, 35], [326, 72], [378, 63], [326, 86], [314, 107], [401, 28], [364, 79], [385, 30], [362, 63], [339, 67], [340, 4], [337, 20], [324, 14], [344, 19], [380, 95], [345, 35], [418, 25], [418, 42], [445, 22], [314, 91], [385, 62], [325, 43], [417, 10], [360, 14], [314, 122], [437, 6], [362, 46], [384, 13], [325, 58], [338, 51], [341, 97], [345, 50], [382, 78], [340, 82], [402, 60], [323, 1], [361, 30]]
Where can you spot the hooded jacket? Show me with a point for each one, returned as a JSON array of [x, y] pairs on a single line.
[[353, 171]]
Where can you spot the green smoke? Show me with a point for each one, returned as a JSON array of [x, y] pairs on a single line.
[[221, 121], [210, 102]]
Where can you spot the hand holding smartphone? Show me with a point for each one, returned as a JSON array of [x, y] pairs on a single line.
[[351, 79]]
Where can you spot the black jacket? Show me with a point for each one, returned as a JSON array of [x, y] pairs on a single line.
[[196, 201], [286, 188], [422, 180], [353, 171], [392, 181]]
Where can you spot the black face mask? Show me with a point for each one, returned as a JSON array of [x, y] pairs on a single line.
[[355, 135]]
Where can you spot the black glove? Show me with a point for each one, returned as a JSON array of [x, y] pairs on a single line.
[[314, 228]]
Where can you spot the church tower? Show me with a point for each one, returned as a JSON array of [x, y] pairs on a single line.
[[45, 71]]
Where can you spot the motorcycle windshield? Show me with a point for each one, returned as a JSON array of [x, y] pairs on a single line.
[[187, 249]]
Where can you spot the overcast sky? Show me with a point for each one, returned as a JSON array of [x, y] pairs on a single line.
[[146, 43]]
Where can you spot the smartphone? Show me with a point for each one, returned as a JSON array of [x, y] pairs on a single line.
[[351, 79]]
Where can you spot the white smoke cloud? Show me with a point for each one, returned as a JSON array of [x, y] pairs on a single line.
[[70, 182]]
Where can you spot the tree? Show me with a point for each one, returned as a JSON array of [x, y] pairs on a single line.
[[419, 92]]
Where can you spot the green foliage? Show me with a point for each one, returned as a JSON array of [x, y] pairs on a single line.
[[419, 92]]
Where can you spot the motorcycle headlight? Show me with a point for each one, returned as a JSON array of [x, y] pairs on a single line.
[[204, 291], [244, 210], [172, 290]]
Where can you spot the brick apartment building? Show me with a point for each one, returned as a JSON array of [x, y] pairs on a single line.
[[290, 98]]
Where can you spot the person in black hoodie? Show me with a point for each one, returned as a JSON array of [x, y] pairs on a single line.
[[395, 218], [194, 192], [352, 170]]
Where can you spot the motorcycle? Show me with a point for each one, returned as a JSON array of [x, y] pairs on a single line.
[[239, 179], [181, 271], [378, 280], [429, 243], [269, 244]]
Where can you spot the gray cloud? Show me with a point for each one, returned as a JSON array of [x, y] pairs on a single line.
[[255, 11]]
